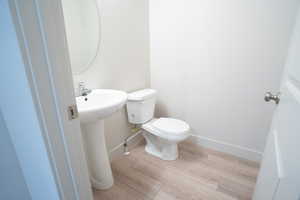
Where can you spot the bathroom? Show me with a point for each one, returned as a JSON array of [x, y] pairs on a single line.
[[138, 99]]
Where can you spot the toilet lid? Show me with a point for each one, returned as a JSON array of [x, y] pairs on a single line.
[[172, 126]]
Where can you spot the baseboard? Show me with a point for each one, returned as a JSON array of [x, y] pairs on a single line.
[[232, 149], [118, 150]]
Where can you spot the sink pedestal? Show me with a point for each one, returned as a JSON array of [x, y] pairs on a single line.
[[97, 156], [93, 109]]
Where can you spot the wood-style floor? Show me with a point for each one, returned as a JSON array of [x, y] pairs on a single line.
[[198, 174]]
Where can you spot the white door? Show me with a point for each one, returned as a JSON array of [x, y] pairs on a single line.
[[41, 91], [279, 177]]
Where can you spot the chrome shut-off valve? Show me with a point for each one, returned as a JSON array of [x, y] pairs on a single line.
[[269, 96]]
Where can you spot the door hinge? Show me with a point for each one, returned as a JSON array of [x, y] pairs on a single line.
[[72, 112]]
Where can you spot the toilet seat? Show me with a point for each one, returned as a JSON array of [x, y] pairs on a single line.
[[168, 128]]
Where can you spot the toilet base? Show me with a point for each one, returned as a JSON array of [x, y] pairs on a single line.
[[159, 147]]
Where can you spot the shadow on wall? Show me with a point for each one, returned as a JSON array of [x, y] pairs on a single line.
[[117, 128], [161, 110]]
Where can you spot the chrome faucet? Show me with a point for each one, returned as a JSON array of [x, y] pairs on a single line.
[[83, 91]]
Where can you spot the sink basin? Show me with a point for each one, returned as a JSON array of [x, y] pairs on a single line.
[[99, 104], [93, 109]]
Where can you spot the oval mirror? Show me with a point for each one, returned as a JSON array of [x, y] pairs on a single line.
[[83, 32]]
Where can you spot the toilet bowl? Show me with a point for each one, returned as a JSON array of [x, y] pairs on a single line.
[[161, 134]]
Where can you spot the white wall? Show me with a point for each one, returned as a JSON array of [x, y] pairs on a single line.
[[213, 60], [123, 61]]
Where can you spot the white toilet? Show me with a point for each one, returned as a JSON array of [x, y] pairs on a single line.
[[161, 134]]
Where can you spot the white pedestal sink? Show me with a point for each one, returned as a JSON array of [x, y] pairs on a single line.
[[99, 104]]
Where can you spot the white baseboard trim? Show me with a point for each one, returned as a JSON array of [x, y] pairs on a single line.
[[118, 150], [232, 149]]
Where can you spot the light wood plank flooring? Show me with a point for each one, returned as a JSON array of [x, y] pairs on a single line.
[[198, 174]]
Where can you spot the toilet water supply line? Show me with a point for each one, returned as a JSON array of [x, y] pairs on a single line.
[[136, 130]]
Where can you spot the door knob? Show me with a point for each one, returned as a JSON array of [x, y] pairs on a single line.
[[269, 96]]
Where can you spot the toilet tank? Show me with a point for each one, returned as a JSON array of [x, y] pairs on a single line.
[[140, 106]]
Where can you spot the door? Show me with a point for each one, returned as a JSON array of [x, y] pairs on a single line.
[[279, 177], [36, 104]]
